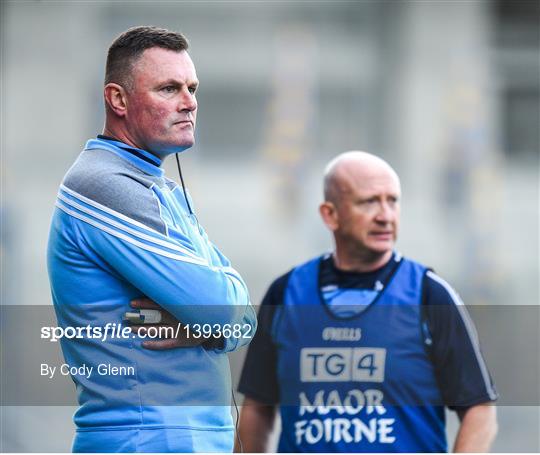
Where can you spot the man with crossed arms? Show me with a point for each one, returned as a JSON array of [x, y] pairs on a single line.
[[122, 231]]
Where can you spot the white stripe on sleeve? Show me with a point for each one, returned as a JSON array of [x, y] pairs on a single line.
[[198, 261], [471, 331]]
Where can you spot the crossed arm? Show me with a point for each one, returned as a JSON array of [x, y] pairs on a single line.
[[168, 320]]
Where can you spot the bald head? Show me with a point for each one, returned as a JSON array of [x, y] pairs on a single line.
[[351, 169], [362, 209]]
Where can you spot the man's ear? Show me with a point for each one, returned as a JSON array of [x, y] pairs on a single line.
[[329, 215], [116, 99]]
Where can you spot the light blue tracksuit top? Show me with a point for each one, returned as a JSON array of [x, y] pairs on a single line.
[[122, 230]]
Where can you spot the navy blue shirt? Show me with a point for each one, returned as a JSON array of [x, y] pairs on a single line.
[[449, 335]]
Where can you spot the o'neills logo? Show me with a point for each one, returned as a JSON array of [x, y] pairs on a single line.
[[341, 334]]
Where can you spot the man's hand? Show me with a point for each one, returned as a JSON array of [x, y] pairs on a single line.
[[167, 320]]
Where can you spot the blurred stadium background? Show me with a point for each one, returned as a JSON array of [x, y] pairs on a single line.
[[447, 91]]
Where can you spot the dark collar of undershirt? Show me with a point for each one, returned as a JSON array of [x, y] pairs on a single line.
[[331, 275]]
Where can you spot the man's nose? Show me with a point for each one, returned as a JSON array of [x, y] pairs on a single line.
[[385, 213], [188, 102]]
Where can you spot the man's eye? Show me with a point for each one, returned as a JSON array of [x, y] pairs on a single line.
[[169, 89], [192, 90]]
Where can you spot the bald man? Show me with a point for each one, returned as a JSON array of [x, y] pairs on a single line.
[[362, 349]]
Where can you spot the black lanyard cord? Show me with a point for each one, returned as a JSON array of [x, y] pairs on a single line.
[[182, 181], [241, 447]]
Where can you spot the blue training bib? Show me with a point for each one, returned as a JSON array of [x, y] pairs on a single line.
[[356, 383]]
